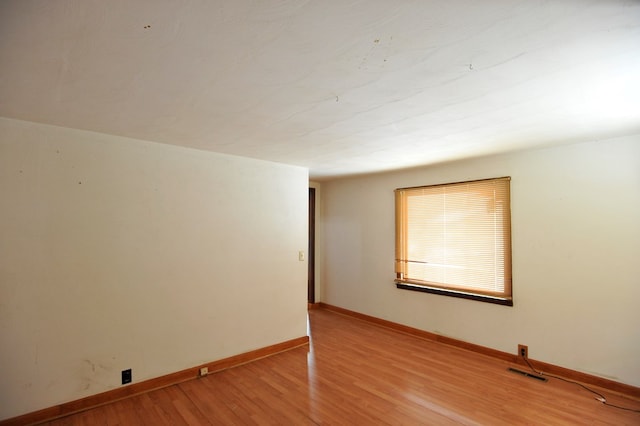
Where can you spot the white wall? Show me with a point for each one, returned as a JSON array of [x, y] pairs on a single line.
[[117, 253], [576, 256]]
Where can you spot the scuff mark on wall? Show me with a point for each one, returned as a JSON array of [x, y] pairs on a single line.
[[90, 364], [94, 373]]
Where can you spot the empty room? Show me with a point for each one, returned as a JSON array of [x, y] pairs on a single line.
[[302, 212]]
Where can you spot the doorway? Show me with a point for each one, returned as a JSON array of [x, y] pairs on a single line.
[[311, 258]]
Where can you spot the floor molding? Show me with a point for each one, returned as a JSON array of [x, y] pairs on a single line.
[[611, 385], [51, 413]]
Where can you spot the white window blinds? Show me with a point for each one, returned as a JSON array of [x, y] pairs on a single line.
[[456, 236]]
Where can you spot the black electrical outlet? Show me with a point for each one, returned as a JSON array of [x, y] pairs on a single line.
[[126, 376]]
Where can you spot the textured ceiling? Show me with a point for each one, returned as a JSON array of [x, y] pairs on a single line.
[[338, 86]]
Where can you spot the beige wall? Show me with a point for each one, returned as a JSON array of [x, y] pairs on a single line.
[[576, 256], [117, 253]]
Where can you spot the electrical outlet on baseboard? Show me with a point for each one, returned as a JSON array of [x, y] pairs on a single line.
[[126, 376], [523, 351]]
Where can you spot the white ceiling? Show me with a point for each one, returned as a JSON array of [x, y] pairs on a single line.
[[338, 86]]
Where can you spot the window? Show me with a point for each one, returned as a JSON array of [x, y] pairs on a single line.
[[455, 239]]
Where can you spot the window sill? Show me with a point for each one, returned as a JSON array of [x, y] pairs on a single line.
[[443, 292]]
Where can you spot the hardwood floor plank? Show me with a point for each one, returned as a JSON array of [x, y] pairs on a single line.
[[356, 373]]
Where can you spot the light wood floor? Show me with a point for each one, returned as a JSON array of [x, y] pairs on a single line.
[[356, 373]]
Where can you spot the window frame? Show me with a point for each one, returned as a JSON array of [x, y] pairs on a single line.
[[401, 259]]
